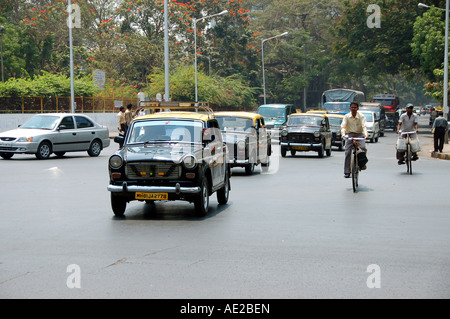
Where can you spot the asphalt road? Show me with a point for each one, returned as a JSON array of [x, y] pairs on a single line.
[[297, 232]]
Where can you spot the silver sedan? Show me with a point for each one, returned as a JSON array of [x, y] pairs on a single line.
[[57, 133]]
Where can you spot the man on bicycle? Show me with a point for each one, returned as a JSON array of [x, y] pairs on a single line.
[[407, 123], [353, 125]]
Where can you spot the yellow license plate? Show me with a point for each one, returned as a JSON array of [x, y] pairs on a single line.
[[300, 148], [151, 196]]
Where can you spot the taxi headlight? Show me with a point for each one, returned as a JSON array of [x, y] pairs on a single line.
[[284, 133], [316, 133], [189, 162], [241, 145], [115, 161], [25, 139]]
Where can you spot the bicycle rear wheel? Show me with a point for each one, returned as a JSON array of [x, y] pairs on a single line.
[[408, 159]]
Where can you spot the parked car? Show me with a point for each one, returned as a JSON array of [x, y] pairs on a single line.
[[379, 110], [170, 156], [306, 132], [335, 127], [247, 140], [275, 116], [56, 133], [373, 126]]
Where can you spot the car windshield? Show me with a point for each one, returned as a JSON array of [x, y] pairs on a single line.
[[384, 102], [228, 123], [272, 112], [336, 106], [368, 116], [335, 121], [166, 131], [43, 122], [305, 120]]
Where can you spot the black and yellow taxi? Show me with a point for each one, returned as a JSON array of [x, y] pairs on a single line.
[[305, 132], [247, 139], [169, 156]]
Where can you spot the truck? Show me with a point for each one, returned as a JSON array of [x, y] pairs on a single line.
[[390, 103], [337, 101]]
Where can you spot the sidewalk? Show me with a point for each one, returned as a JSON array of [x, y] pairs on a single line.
[[427, 148]]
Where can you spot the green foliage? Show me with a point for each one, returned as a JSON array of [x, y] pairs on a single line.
[[229, 91], [47, 84]]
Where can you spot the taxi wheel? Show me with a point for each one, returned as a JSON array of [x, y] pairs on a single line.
[[118, 205], [283, 152], [249, 168], [321, 150], [201, 203], [224, 192]]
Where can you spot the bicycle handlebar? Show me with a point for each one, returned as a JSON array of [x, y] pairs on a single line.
[[404, 133], [354, 138]]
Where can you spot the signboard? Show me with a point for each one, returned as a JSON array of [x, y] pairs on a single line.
[[99, 78]]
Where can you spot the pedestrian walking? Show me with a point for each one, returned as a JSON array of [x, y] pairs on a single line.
[[439, 129], [121, 121]]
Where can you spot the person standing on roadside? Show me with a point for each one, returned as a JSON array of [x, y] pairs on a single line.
[[129, 114], [439, 129], [121, 121]]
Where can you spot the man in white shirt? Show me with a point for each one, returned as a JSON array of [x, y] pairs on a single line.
[[407, 123], [353, 125]]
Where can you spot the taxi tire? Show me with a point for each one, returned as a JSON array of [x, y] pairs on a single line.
[[201, 203], [118, 205], [224, 193], [321, 150], [283, 152]]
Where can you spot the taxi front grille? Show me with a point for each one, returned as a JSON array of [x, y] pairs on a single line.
[[300, 137], [153, 170]]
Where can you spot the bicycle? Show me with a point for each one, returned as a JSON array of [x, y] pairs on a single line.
[[354, 166], [408, 157]]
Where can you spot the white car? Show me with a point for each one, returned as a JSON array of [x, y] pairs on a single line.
[[56, 133], [373, 126]]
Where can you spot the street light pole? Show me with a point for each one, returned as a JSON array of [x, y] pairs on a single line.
[[166, 54], [445, 86], [2, 30], [195, 47], [262, 57], [72, 88]]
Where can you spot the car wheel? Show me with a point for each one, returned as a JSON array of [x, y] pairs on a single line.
[[44, 150], [293, 152], [328, 151], [60, 154], [95, 148], [201, 203], [118, 205], [249, 168], [224, 192], [321, 151], [283, 152], [7, 155]]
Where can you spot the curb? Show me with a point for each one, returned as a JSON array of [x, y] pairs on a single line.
[[444, 156]]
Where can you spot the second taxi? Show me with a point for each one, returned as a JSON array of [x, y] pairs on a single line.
[[306, 132]]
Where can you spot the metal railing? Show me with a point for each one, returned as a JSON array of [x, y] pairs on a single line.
[[43, 104]]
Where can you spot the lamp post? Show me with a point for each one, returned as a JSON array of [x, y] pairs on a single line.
[[445, 102], [72, 89], [2, 30], [262, 57], [166, 53], [195, 46]]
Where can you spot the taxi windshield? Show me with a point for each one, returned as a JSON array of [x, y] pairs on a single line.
[[272, 112], [228, 123], [166, 131], [305, 120]]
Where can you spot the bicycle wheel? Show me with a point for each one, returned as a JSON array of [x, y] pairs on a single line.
[[408, 159], [355, 171]]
